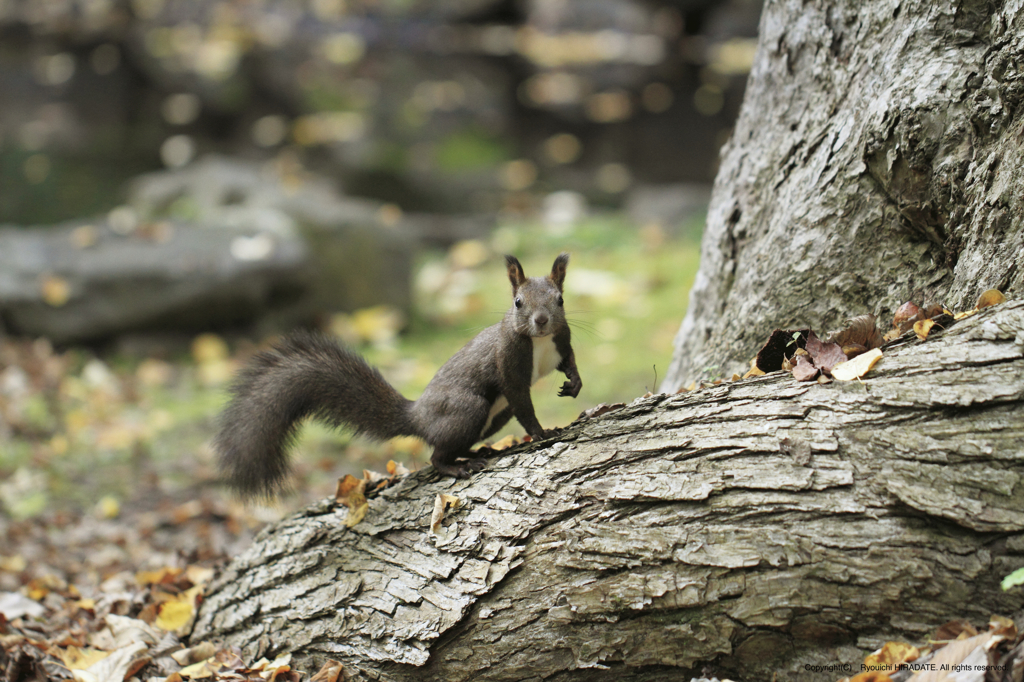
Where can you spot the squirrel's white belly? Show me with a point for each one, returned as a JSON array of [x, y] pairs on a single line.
[[545, 357]]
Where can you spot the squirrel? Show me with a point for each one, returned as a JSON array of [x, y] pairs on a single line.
[[470, 398]]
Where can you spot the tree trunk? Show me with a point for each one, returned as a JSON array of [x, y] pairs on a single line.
[[877, 159], [755, 527]]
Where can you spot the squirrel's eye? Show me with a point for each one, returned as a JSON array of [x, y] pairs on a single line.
[[560, 301], [519, 302]]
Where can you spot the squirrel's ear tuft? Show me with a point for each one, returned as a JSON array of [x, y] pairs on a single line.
[[558, 270], [515, 272]]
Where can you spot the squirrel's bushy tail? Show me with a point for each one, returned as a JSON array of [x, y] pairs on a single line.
[[306, 375]]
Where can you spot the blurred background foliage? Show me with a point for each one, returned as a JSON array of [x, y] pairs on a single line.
[[370, 161]]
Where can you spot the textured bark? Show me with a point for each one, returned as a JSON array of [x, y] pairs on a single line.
[[877, 159], [756, 527]]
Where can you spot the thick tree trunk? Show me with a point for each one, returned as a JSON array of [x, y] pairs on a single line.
[[878, 158], [757, 527]]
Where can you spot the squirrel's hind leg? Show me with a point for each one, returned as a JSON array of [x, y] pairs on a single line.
[[452, 437], [445, 461]]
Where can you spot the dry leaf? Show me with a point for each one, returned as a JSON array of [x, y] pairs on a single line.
[[350, 491], [922, 327], [200, 652], [825, 355], [441, 504], [330, 672], [780, 344], [1002, 627], [396, 469], [891, 655], [905, 316], [161, 575], [804, 369], [858, 367], [201, 670], [989, 298], [76, 658], [954, 629], [175, 615], [861, 331], [950, 655], [116, 665]]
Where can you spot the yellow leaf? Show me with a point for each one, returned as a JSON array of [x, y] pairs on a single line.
[[108, 507], [378, 324], [207, 348], [990, 298], [80, 659], [56, 290], [858, 367], [201, 669], [922, 327], [356, 514], [891, 655], [158, 576], [174, 615], [470, 253]]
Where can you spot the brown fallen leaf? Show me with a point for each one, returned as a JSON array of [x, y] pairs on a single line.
[[905, 316], [824, 355], [804, 370], [330, 672], [860, 331], [891, 655], [780, 344], [951, 655], [954, 629], [351, 492], [858, 367], [852, 350]]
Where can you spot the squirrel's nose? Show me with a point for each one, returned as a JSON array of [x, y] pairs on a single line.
[[540, 319]]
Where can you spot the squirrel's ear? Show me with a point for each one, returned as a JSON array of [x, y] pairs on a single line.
[[515, 272], [558, 270]]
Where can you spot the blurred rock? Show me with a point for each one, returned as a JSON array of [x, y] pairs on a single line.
[[85, 281], [360, 250], [668, 206]]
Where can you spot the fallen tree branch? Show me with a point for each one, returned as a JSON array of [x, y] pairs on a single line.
[[758, 526]]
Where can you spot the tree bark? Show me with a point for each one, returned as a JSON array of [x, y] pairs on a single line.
[[755, 527], [877, 159]]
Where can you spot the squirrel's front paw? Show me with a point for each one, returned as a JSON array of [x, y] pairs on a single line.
[[571, 387]]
